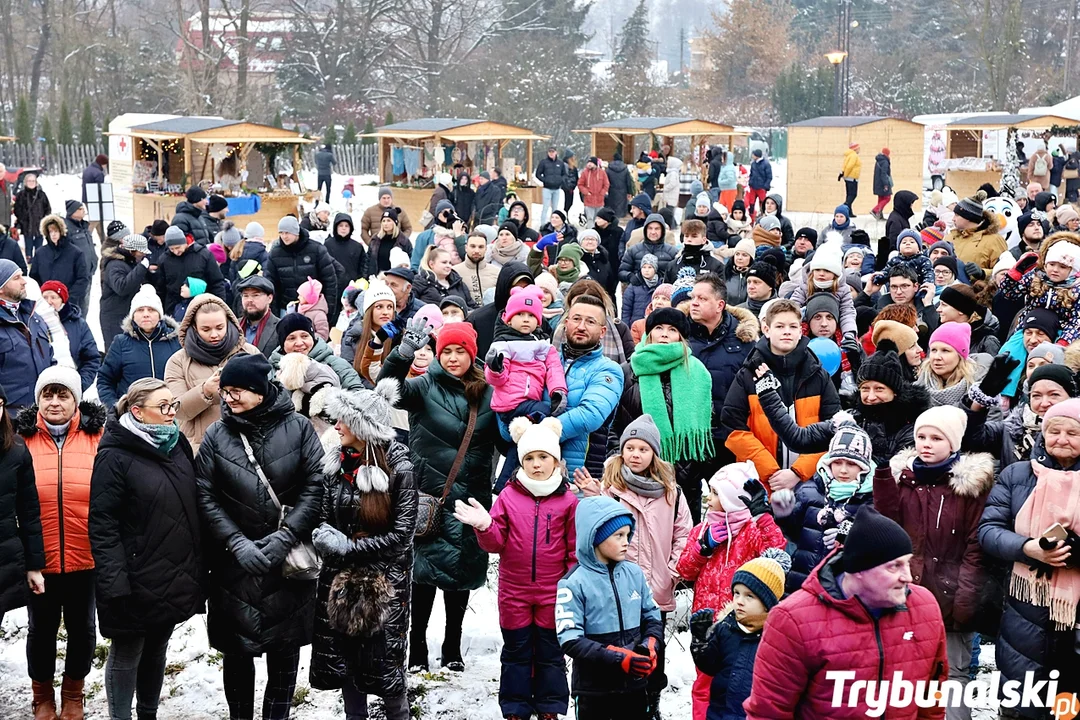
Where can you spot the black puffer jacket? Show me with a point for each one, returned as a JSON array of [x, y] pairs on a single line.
[[620, 187], [189, 218], [62, 261], [891, 426], [78, 234], [144, 534], [350, 253], [290, 266], [21, 544], [121, 278], [196, 262], [427, 289], [253, 614], [375, 664]]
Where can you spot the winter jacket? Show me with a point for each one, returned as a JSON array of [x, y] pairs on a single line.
[[372, 218], [79, 235], [716, 230], [10, 250], [196, 262], [899, 219], [711, 574], [21, 545], [727, 656], [843, 298], [728, 178], [134, 355], [254, 250], [441, 237], [984, 335], [620, 187], [919, 264], [427, 289], [485, 318], [31, 207], [891, 426], [1028, 640], [595, 384], [440, 193], [982, 247], [883, 183], [804, 385], [374, 664], [1035, 289], [374, 263], [942, 518], [121, 278], [529, 368], [145, 534], [600, 605], [92, 174], [735, 282], [601, 269], [817, 631], [63, 483], [189, 218], [1044, 178], [438, 417], [536, 541], [463, 197], [631, 259], [266, 339], [1002, 438], [25, 351], [723, 352], [84, 349], [289, 266], [852, 165], [185, 376], [212, 225], [487, 203], [701, 261], [477, 277], [62, 261], [346, 250], [323, 353], [760, 175], [636, 297], [551, 173], [324, 161], [253, 614], [593, 186]]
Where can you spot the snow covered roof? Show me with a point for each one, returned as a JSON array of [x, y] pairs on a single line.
[[214, 130], [455, 130], [840, 121], [430, 125], [662, 126], [1008, 120], [184, 125]]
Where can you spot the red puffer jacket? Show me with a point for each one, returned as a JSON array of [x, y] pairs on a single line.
[[815, 631], [712, 575]]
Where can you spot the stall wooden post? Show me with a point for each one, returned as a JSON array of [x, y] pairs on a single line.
[[187, 160], [529, 163], [382, 163]]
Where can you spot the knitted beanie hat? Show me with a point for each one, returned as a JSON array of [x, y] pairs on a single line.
[[219, 252], [250, 372], [727, 484], [1059, 374], [1068, 409], [746, 245], [59, 375], [57, 287], [650, 259], [644, 429], [955, 335], [612, 526], [769, 222], [7, 271], [663, 290], [293, 322], [883, 367], [366, 412], [1051, 352], [460, 333], [822, 302], [961, 297], [175, 236], [971, 208], [828, 257], [1041, 319], [531, 437], [146, 297], [289, 224], [764, 576], [851, 442], [547, 281], [765, 272], [948, 261], [809, 233], [913, 236], [254, 230], [216, 203], [903, 336], [1064, 252], [683, 287], [668, 316], [872, 541], [117, 231], [528, 299], [377, 291], [951, 421], [571, 250], [931, 235]]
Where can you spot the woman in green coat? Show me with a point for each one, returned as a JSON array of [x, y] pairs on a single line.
[[439, 404]]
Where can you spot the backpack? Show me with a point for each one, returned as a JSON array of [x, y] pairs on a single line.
[[1040, 165]]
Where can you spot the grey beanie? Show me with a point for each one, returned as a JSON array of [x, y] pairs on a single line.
[[650, 259], [769, 222], [230, 235], [7, 271], [385, 190], [289, 224], [644, 429], [175, 236], [254, 230], [366, 412]]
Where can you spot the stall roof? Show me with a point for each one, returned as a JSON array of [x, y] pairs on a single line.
[[213, 129], [671, 126], [455, 130], [1006, 120], [843, 121]]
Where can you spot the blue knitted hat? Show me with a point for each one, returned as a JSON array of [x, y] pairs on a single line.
[[612, 526]]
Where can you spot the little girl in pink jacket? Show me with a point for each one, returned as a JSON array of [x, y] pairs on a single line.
[[531, 528]]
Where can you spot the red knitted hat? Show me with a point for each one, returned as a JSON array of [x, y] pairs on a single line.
[[461, 333], [57, 287]]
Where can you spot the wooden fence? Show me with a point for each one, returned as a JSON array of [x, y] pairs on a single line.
[[55, 159], [351, 159]]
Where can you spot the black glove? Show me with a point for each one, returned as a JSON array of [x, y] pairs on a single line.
[[276, 546], [558, 403], [497, 363], [1073, 541], [839, 176], [850, 345], [756, 499], [704, 547], [997, 377], [700, 622], [249, 557]]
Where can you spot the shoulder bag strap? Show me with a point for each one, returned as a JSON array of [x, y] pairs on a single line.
[[259, 470], [452, 475]]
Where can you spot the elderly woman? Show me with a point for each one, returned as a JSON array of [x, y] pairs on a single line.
[[62, 434], [260, 481], [144, 516], [296, 334], [1029, 500], [147, 340], [209, 336], [450, 414]]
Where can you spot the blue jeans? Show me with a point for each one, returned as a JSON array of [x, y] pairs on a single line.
[[552, 201]]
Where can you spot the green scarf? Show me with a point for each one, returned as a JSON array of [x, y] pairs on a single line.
[[570, 276], [691, 400]]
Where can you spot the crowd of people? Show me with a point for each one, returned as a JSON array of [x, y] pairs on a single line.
[[858, 455]]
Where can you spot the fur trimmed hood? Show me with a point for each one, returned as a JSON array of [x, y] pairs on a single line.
[[92, 417], [129, 328], [1061, 236], [971, 476], [366, 412], [748, 329], [53, 219]]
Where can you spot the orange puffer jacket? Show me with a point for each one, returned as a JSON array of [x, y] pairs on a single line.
[[63, 483]]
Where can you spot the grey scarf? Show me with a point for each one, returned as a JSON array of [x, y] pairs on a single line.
[[643, 486], [212, 355], [948, 396]]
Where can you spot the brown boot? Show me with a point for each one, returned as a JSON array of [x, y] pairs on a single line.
[[44, 705], [71, 699]]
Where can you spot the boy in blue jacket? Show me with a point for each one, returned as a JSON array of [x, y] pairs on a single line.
[[606, 618]]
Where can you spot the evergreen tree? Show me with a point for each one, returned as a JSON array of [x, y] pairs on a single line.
[[631, 87], [47, 133], [24, 126], [330, 136], [800, 95], [87, 130], [277, 120], [369, 127], [349, 138], [65, 133], [389, 118]]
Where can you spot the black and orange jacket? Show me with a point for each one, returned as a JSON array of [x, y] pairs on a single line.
[[804, 385]]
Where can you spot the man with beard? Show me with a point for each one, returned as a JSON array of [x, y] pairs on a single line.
[[25, 350], [257, 322]]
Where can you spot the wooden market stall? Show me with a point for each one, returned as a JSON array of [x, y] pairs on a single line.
[[975, 146], [155, 158], [816, 155], [412, 152]]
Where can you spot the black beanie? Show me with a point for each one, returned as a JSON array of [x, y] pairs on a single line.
[[668, 316], [808, 233], [961, 297], [216, 203], [510, 226], [872, 541], [971, 208], [158, 228], [290, 323], [950, 262], [195, 194], [1060, 374], [607, 215], [883, 367], [764, 271], [1043, 319], [250, 372]]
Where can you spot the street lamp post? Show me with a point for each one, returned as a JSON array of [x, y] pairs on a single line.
[[836, 58]]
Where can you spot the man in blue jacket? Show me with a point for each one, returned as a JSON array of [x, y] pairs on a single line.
[[594, 384], [25, 350]]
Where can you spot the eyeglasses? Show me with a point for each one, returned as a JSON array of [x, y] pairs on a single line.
[[901, 286], [233, 394], [942, 272], [165, 408], [579, 320]]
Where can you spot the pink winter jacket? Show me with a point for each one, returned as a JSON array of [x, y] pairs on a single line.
[[528, 367], [660, 533], [535, 540]]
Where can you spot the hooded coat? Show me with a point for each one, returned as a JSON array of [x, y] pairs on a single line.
[[372, 664], [252, 614], [438, 417], [189, 218], [463, 197], [620, 186], [135, 355], [728, 657], [21, 545], [486, 205], [145, 534], [121, 278], [593, 186], [373, 264], [196, 262], [899, 219], [79, 235], [982, 245], [631, 259], [882, 175], [347, 251], [62, 261], [289, 266], [787, 232], [484, 318]]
